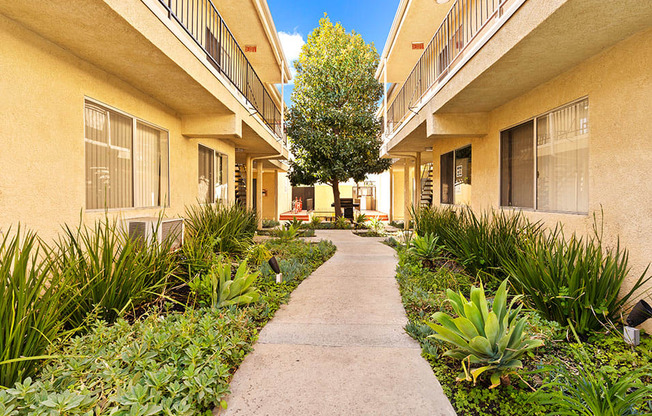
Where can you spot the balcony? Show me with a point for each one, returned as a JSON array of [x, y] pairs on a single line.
[[204, 24], [466, 21]]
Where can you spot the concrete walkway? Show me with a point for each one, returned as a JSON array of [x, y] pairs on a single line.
[[338, 347]]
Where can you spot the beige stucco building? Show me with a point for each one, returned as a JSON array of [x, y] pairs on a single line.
[[540, 106], [136, 107]]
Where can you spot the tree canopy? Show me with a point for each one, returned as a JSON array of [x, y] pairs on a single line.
[[333, 130]]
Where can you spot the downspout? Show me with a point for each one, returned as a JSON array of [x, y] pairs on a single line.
[[259, 190]]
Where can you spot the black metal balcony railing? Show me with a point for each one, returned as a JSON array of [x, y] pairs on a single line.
[[201, 20], [462, 24]]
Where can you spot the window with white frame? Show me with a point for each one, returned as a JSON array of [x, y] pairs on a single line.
[[126, 160], [455, 176], [545, 161], [212, 169]]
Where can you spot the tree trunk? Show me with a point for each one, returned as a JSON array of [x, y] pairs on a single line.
[[336, 198]]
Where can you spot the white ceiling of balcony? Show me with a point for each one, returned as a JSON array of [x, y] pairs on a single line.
[[415, 21], [250, 23]]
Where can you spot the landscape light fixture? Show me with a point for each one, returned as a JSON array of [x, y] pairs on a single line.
[[640, 313], [273, 263]]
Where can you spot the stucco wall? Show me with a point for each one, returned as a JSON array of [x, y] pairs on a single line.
[[42, 179], [618, 84]]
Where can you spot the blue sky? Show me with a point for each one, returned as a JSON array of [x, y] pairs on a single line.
[[294, 20]]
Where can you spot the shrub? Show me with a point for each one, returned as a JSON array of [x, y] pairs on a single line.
[[232, 226], [425, 248], [573, 280], [222, 289], [107, 272], [32, 308], [492, 338]]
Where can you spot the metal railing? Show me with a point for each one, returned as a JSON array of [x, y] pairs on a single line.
[[201, 20], [464, 21]]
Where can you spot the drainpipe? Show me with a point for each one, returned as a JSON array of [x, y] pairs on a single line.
[[259, 191], [385, 96]]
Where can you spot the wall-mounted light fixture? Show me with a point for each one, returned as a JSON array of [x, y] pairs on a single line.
[[442, 1]]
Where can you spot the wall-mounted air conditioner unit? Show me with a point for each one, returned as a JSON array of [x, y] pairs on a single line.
[[146, 228]]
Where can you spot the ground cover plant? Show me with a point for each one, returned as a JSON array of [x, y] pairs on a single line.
[[554, 369]]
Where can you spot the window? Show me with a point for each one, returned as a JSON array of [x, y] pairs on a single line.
[[544, 162], [455, 176], [123, 169], [212, 176]]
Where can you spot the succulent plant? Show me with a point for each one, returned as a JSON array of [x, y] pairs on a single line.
[[493, 339]]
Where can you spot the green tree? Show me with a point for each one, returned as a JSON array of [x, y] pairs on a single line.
[[334, 133]]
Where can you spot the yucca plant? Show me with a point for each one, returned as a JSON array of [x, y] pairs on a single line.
[[33, 306], [575, 280], [425, 248], [107, 271], [492, 338], [232, 226], [223, 289]]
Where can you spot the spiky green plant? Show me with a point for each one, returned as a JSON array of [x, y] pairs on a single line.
[[426, 248], [107, 271], [32, 311], [232, 226], [492, 338], [573, 279], [225, 290]]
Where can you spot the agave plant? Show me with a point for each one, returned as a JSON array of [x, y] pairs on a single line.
[[425, 248], [294, 223], [493, 339], [224, 290]]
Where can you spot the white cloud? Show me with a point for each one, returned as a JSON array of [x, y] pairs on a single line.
[[292, 43]]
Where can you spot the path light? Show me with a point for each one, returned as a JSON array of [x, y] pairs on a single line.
[[274, 265], [639, 314]]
